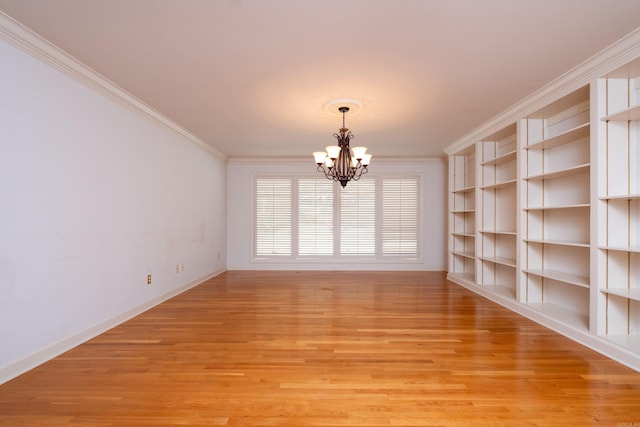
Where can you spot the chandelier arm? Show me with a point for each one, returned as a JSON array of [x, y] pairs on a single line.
[[327, 173], [357, 173]]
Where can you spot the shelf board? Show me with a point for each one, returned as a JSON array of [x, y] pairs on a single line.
[[463, 211], [546, 208], [561, 276], [466, 254], [509, 262], [465, 189], [506, 233], [630, 342], [634, 248], [503, 158], [622, 197], [632, 113], [563, 138], [464, 234], [632, 294], [503, 290], [558, 174], [569, 317], [469, 277], [559, 243], [500, 184]]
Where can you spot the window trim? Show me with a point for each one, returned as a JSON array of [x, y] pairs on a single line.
[[337, 258]]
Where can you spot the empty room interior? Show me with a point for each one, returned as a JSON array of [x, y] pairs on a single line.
[[327, 213]]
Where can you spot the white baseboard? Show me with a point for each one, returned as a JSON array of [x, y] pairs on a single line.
[[585, 338], [18, 368]]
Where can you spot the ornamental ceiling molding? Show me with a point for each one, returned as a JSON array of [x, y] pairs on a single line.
[[28, 41], [305, 160]]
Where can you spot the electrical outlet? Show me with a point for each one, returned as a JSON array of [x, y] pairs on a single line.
[[177, 268], [181, 267], [148, 279]]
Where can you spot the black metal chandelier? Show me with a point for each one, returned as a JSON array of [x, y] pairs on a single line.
[[338, 163]]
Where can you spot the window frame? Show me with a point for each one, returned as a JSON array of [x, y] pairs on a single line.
[[336, 257]]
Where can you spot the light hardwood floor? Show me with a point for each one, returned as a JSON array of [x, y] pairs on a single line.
[[326, 348]]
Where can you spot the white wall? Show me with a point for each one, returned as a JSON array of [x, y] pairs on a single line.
[[94, 195], [240, 174]]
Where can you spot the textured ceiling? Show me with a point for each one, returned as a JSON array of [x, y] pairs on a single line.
[[250, 78]]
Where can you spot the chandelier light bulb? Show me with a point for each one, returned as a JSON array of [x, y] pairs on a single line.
[[333, 151], [359, 152], [328, 162], [320, 156]]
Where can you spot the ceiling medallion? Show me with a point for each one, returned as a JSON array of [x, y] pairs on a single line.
[[332, 108]]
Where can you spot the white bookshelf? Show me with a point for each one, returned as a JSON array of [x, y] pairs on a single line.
[[555, 150], [497, 212], [462, 215], [551, 220], [618, 206]]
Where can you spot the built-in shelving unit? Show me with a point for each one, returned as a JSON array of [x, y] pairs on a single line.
[[552, 221], [462, 217], [555, 161], [497, 178], [618, 199]]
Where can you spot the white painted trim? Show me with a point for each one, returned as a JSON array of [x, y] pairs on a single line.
[[309, 159], [22, 37], [26, 364], [584, 337], [605, 61]]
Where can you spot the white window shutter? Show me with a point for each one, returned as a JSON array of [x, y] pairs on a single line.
[[315, 216], [358, 218], [273, 216], [400, 216]]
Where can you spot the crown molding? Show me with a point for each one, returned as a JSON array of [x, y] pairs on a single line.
[[309, 160], [614, 56], [28, 41]]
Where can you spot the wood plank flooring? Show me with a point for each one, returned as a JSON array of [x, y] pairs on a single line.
[[326, 349]]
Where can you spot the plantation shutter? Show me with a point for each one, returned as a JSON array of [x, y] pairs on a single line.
[[273, 216], [315, 216], [358, 218], [400, 216]]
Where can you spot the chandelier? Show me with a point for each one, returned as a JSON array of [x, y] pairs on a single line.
[[338, 163]]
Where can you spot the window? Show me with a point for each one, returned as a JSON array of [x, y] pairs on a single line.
[[358, 218], [273, 216], [399, 216], [315, 216], [312, 217]]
